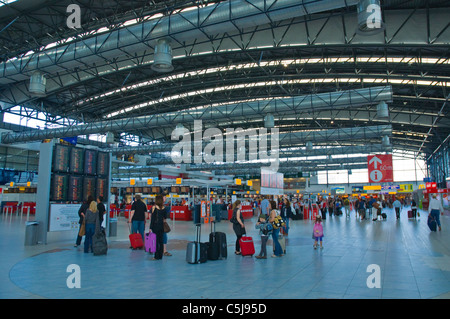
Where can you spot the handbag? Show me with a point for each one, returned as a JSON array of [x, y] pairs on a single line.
[[166, 227], [82, 230]]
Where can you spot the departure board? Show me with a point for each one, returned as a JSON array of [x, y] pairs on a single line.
[[77, 160], [75, 192], [61, 158], [102, 163], [90, 162], [102, 187], [89, 184], [59, 187], [79, 172]]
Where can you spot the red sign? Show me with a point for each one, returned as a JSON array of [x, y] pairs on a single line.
[[431, 185], [380, 168]]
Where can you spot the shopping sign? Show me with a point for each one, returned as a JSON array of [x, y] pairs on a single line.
[[380, 168]]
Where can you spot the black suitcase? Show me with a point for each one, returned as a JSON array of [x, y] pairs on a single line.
[[217, 246], [431, 222], [99, 243], [196, 251]]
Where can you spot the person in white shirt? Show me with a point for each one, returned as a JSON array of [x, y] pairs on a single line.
[[397, 206], [435, 209]]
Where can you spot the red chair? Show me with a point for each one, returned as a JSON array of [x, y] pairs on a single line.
[[29, 208]]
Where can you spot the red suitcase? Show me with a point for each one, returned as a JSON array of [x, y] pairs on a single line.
[[247, 246], [135, 240]]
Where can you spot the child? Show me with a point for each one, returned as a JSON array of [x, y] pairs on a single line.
[[265, 228], [318, 232]]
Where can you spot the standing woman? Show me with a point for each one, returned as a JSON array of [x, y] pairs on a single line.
[[238, 225], [157, 226], [273, 213], [91, 220]]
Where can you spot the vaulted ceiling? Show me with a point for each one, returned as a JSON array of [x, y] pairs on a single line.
[[232, 53]]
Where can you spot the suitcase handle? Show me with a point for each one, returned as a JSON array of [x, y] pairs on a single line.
[[213, 222], [199, 231]]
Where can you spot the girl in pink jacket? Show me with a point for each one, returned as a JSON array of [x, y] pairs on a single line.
[[318, 232]]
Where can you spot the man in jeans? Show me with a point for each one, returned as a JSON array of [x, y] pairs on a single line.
[[138, 215], [397, 206]]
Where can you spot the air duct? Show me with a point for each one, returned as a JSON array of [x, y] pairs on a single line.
[[370, 21], [382, 110], [37, 84], [201, 23], [109, 137], [163, 57], [269, 121], [385, 141]]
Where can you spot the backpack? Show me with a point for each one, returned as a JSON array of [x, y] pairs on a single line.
[[267, 228], [278, 222], [318, 230]]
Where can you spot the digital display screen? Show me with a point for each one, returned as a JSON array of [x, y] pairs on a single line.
[[61, 158]]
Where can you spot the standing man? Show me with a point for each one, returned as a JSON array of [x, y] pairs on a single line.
[[138, 215], [265, 209], [101, 209]]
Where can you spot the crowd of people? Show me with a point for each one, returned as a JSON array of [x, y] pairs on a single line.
[[268, 211]]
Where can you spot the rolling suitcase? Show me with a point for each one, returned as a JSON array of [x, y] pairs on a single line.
[[135, 240], [432, 224], [150, 242], [99, 243], [196, 251], [247, 246], [410, 214], [217, 247]]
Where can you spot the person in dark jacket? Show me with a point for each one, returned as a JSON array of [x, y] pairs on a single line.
[[101, 209], [286, 213], [81, 213], [238, 225], [157, 225]]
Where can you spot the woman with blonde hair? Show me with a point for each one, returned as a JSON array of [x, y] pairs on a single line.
[[91, 220]]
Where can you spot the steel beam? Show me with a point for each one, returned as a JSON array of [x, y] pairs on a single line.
[[255, 109]]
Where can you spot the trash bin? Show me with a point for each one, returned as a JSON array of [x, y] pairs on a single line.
[[31, 233], [112, 227]]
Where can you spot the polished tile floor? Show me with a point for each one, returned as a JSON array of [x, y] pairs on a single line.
[[410, 262]]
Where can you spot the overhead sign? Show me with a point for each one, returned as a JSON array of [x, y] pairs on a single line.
[[372, 188], [406, 188], [380, 168], [390, 187], [272, 183]]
